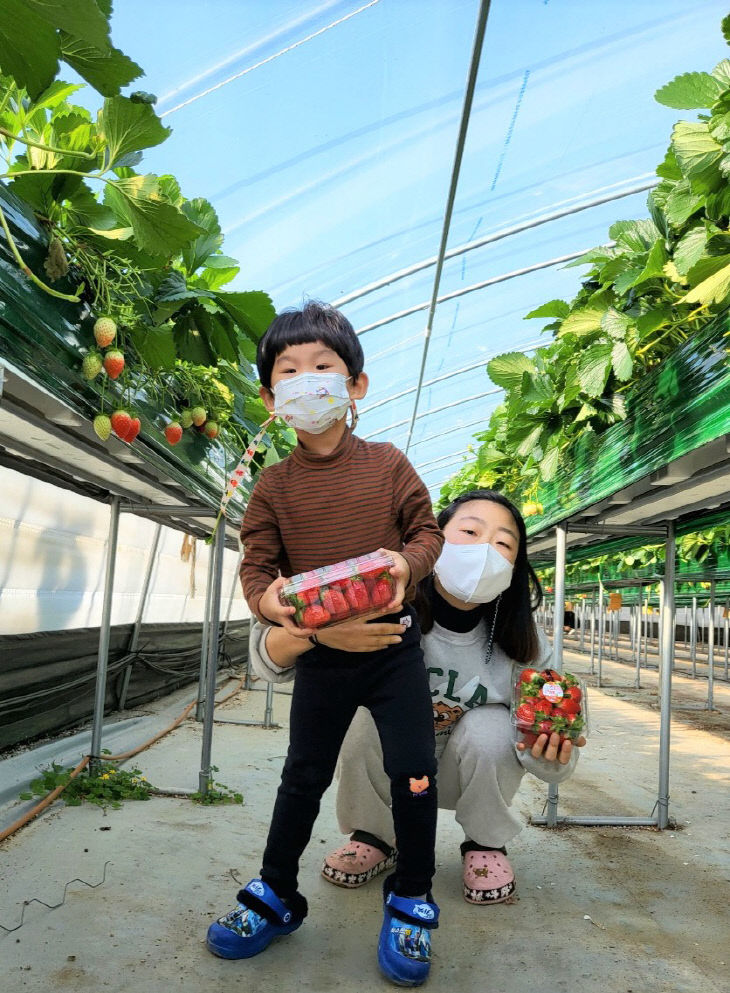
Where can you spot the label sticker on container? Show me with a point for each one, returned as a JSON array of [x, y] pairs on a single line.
[[552, 691]]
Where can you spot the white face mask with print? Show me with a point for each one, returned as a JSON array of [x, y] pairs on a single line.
[[312, 402], [473, 573]]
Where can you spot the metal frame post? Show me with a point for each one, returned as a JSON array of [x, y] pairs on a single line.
[[561, 536], [601, 626], [711, 648], [204, 653], [104, 629], [216, 572], [134, 640], [593, 626], [693, 638], [665, 677]]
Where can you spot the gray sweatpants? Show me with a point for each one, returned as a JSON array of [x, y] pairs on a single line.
[[478, 776]]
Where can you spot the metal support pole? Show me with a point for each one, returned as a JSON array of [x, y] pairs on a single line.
[[103, 657], [216, 572], [601, 624], [726, 631], [665, 678], [693, 638], [134, 640], [269, 709], [234, 586], [203, 674], [561, 535], [583, 611], [711, 649], [637, 643], [593, 626]]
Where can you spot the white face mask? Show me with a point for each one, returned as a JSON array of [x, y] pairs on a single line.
[[312, 402], [473, 573]]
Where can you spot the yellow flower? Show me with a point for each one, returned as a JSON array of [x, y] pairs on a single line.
[[112, 772], [104, 775]]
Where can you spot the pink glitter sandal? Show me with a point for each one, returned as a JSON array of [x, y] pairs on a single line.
[[355, 863], [488, 877]]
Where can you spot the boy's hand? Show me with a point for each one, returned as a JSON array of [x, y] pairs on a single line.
[[275, 612], [551, 748], [401, 573]]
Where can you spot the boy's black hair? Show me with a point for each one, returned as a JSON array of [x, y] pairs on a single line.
[[314, 322], [515, 631]]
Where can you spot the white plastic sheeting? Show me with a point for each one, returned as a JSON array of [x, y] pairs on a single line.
[[52, 564]]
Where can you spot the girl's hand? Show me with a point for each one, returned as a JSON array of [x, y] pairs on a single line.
[[357, 636], [401, 573], [551, 748]]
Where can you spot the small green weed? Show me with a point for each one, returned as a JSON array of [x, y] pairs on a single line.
[[217, 793], [106, 788]]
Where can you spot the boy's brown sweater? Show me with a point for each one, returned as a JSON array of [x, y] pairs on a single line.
[[309, 511]]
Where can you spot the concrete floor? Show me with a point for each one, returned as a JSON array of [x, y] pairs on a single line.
[[598, 910]]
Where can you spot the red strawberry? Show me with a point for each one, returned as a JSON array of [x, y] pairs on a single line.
[[312, 595], [114, 363], [529, 676], [173, 432], [525, 714], [104, 331], [334, 601], [382, 591], [134, 428], [529, 738], [121, 423], [567, 706], [357, 595], [314, 616]]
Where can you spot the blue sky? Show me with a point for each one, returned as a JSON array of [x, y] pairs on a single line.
[[329, 164]]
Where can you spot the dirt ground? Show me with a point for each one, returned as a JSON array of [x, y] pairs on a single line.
[[597, 909]]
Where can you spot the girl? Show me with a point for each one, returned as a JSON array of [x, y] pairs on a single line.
[[476, 616]]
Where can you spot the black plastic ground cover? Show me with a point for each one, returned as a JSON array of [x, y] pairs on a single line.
[[48, 679]]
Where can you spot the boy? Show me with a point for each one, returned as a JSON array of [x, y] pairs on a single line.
[[333, 498]]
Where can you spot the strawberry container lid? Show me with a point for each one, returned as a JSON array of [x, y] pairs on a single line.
[[362, 565]]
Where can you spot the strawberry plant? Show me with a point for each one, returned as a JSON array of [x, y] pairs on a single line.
[[656, 283], [145, 261]]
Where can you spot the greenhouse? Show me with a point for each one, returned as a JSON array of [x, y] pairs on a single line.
[[517, 214]]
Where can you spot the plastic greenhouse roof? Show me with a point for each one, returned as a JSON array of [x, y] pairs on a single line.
[[324, 134]]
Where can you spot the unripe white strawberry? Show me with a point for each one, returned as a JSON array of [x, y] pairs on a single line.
[[102, 426], [91, 366], [199, 414], [186, 418], [105, 331], [211, 429]]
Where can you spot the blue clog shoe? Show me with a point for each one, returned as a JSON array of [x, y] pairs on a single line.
[[251, 926], [404, 947]]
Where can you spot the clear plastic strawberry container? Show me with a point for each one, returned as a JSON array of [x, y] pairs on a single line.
[[546, 701], [338, 592]]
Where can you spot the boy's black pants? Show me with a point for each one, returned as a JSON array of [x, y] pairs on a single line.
[[328, 688]]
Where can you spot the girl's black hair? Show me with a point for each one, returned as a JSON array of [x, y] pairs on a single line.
[[314, 322], [515, 631]]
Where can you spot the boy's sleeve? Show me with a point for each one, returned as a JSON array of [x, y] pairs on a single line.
[[422, 537], [262, 548]]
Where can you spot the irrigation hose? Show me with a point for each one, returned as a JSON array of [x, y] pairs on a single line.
[[54, 794]]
